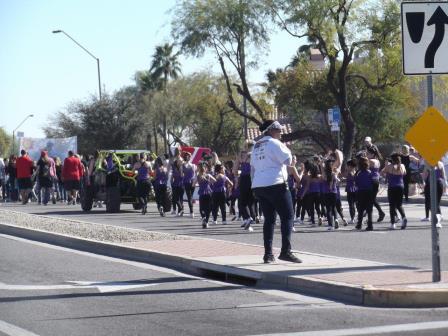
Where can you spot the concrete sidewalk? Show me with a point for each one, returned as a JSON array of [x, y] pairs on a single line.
[[350, 280]]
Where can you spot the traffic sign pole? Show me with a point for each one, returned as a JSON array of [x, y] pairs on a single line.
[[433, 194]]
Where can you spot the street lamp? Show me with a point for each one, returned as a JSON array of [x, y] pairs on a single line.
[[96, 58], [14, 131]]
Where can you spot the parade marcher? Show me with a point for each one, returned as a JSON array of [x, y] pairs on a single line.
[[269, 160], [189, 175], [439, 187], [232, 196], [364, 192], [177, 187], [144, 185], [46, 173], [11, 172], [160, 184], [3, 179], [312, 193], [395, 172], [219, 188], [72, 171], [61, 192], [204, 180], [329, 191], [301, 201], [246, 198], [293, 182], [24, 166], [350, 189], [374, 156]]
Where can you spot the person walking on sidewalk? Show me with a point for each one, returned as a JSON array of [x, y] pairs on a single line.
[[439, 187], [24, 166], [269, 160], [46, 172], [72, 171], [396, 173]]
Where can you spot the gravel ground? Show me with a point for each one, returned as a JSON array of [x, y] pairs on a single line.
[[99, 232]]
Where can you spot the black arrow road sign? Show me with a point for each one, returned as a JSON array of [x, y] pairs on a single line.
[[439, 19]]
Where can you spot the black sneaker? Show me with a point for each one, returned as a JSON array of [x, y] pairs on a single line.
[[268, 259], [369, 228], [289, 256], [381, 217], [404, 223]]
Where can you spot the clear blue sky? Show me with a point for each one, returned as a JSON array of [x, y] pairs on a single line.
[[41, 72]]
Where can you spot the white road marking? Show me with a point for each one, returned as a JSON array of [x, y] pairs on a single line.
[[396, 328], [12, 330], [102, 286]]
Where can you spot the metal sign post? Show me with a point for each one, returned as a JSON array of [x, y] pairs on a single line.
[[436, 277], [424, 51]]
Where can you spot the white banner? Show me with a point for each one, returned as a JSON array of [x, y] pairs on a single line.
[[55, 147]]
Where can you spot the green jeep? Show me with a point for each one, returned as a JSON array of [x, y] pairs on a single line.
[[114, 181]]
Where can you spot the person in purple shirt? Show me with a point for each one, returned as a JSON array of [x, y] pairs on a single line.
[[160, 184], [395, 172], [350, 189], [329, 191], [189, 175], [219, 193], [204, 180], [177, 186], [365, 195]]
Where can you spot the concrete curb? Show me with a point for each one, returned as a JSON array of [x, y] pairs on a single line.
[[354, 294]]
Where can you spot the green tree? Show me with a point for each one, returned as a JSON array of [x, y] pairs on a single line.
[[165, 65], [112, 123], [230, 29], [343, 31], [5, 142]]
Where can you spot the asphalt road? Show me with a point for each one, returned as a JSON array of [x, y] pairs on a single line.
[[410, 247], [47, 290]]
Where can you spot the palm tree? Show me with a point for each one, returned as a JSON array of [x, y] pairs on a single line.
[[165, 65]]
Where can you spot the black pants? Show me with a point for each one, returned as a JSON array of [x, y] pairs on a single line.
[[143, 189], [330, 207], [339, 208], [376, 187], [160, 195], [177, 198], [351, 199], [189, 190], [406, 179], [395, 197], [205, 206], [313, 200], [293, 192], [246, 199], [275, 200], [231, 203], [365, 204], [300, 208], [219, 202], [428, 197]]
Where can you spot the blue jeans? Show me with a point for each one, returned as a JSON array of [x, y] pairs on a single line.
[[276, 199]]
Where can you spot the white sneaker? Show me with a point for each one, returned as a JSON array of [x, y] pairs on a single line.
[[293, 229], [248, 224], [250, 229], [426, 219], [392, 226], [173, 212], [215, 222], [192, 215], [439, 221]]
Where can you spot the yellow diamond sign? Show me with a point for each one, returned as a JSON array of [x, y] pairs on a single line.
[[429, 135]]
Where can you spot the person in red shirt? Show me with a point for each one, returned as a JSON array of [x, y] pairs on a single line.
[[72, 171], [24, 166]]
